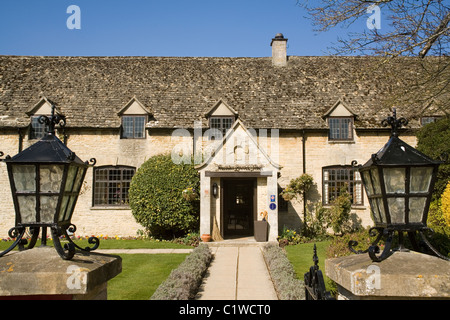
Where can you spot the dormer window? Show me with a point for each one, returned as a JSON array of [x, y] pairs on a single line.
[[133, 127], [42, 108], [340, 128], [221, 117], [340, 123], [426, 120], [221, 123], [134, 118]]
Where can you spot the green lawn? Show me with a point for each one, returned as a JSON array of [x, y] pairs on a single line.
[[141, 275], [115, 244], [301, 258]]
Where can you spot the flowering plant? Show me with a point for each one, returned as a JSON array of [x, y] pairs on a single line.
[[288, 194]]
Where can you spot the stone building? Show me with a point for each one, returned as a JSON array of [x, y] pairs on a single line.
[[288, 115]]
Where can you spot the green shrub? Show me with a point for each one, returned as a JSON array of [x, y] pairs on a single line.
[[156, 197], [339, 244], [184, 281], [337, 216], [283, 275]]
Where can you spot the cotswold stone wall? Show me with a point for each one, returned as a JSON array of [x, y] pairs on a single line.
[[108, 149]]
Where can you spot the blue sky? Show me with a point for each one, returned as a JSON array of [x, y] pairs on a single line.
[[210, 28]]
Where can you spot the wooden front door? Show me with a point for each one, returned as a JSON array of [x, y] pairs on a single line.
[[239, 206]]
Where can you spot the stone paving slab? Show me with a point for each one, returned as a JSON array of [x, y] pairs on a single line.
[[237, 273]]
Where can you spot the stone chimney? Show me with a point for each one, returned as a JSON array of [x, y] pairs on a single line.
[[279, 54]]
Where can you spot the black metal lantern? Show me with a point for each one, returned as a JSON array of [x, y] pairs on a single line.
[[46, 179], [399, 182]]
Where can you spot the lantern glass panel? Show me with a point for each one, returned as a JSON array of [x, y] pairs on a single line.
[[78, 180], [27, 208], [420, 179], [394, 180], [24, 178], [70, 208], [50, 178], [367, 182], [416, 209], [375, 211], [71, 178], [380, 206], [48, 208], [62, 211], [397, 209], [376, 180]]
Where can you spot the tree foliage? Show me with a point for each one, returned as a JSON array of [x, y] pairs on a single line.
[[434, 141], [406, 28], [156, 197]]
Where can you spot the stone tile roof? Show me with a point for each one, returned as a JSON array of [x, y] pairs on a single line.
[[90, 91]]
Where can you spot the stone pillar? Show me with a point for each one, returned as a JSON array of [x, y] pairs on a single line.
[[403, 275], [41, 274], [205, 204]]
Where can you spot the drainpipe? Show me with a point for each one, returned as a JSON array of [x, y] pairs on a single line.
[[304, 171], [19, 131]]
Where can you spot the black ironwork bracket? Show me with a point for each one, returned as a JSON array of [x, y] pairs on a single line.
[[66, 251], [388, 234], [314, 283]]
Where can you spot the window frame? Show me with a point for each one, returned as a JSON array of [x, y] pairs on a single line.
[[123, 201], [134, 117], [353, 185], [222, 118], [429, 119], [349, 129]]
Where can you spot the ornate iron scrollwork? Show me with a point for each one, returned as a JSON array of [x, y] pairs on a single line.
[[314, 283], [388, 234], [395, 123], [65, 251], [52, 121]]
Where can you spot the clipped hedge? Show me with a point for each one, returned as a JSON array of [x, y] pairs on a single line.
[[183, 282], [283, 275], [156, 197]]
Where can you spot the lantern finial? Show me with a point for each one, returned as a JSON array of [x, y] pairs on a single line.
[[394, 123]]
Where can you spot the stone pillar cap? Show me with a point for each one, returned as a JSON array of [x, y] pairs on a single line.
[[401, 275]]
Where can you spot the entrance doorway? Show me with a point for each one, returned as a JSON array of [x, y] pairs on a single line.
[[239, 205]]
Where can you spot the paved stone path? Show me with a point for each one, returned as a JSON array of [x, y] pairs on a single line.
[[237, 273]]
